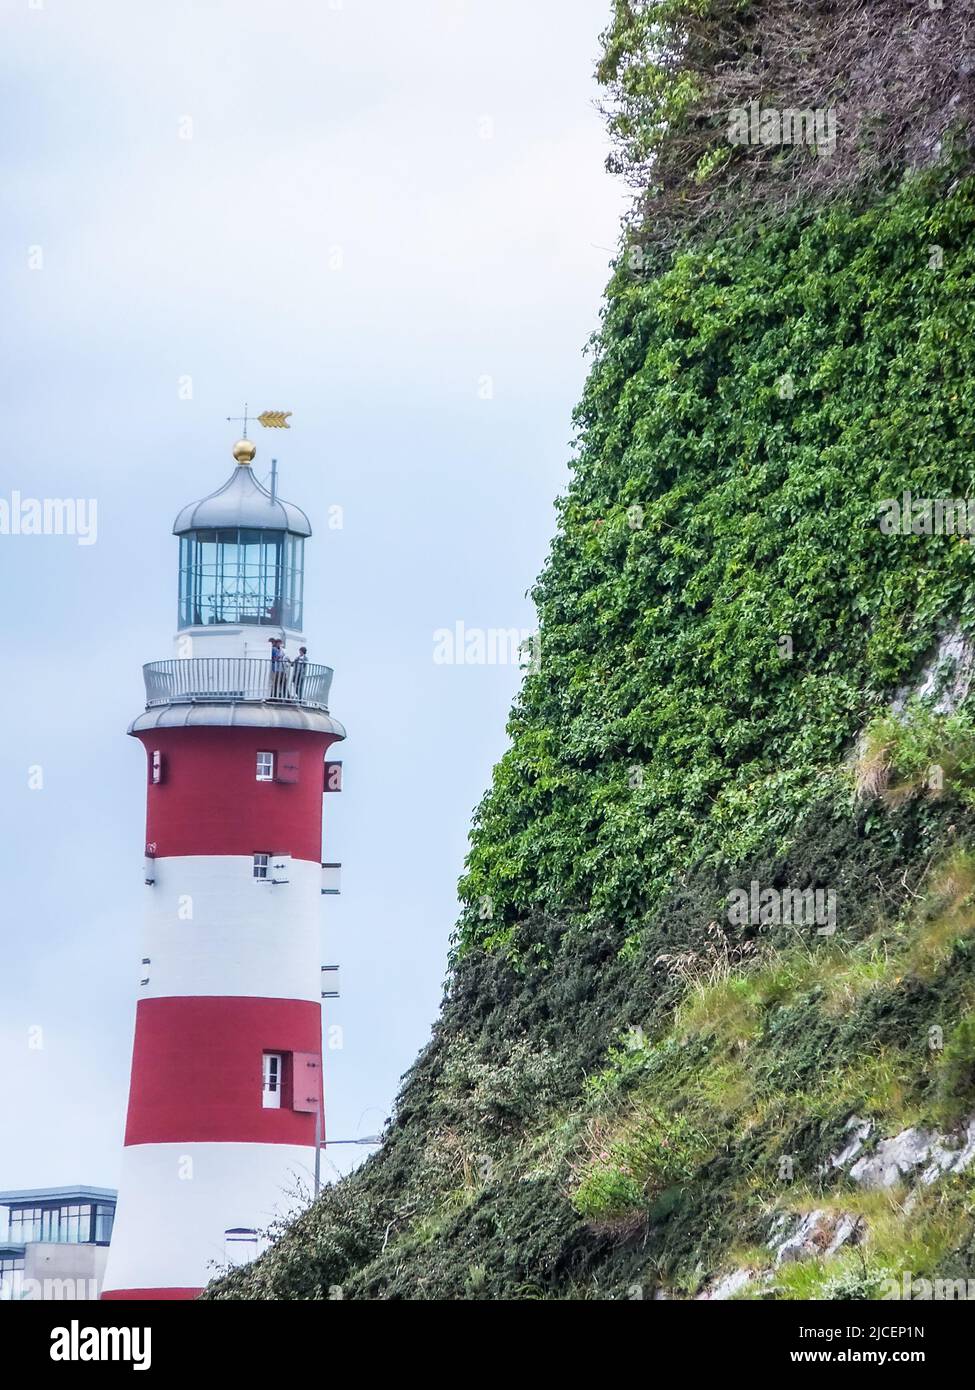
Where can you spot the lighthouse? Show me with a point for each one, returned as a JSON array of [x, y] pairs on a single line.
[[225, 1109]]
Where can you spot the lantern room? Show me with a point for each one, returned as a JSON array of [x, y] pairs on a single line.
[[241, 554]]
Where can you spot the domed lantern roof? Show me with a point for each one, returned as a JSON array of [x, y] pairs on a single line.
[[242, 504]]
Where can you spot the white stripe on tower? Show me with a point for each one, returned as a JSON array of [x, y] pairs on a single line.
[[180, 1199], [213, 928]]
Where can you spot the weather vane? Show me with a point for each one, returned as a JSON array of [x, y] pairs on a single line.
[[270, 419]]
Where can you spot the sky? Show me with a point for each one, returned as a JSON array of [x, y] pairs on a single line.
[[392, 219]]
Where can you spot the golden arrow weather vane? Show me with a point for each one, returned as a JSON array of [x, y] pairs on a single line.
[[270, 419]]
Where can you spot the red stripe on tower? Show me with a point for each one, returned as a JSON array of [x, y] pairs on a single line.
[[172, 1096], [211, 803]]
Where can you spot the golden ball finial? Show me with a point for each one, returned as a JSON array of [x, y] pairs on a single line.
[[244, 451]]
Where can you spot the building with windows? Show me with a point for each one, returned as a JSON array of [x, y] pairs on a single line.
[[225, 1116], [54, 1242]]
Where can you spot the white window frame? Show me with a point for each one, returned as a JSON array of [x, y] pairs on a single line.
[[262, 868], [241, 1244], [273, 1075], [265, 767]]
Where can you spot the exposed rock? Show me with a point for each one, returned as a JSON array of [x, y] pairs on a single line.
[[913, 1149], [847, 1229], [950, 1160], [893, 1159], [924, 1154], [818, 1233], [730, 1284], [862, 1129], [947, 677]]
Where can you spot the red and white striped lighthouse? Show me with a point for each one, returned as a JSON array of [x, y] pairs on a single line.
[[225, 1101]]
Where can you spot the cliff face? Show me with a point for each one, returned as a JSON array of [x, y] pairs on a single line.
[[711, 1015]]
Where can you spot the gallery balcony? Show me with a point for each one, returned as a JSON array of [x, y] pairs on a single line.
[[235, 680]]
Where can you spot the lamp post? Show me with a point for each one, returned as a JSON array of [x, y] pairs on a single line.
[[321, 1143]]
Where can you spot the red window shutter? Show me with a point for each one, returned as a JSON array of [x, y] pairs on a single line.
[[307, 1074], [288, 766], [333, 776]]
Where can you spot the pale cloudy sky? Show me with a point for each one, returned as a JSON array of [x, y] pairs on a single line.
[[358, 210]]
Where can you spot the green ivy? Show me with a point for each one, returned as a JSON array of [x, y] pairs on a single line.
[[721, 613]]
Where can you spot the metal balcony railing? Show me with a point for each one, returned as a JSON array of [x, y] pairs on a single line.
[[226, 679]]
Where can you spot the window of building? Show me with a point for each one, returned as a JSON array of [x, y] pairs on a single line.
[[70, 1224], [25, 1225], [261, 864], [273, 1071], [265, 767], [104, 1221]]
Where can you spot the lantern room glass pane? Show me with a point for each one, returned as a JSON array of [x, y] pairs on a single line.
[[240, 576]]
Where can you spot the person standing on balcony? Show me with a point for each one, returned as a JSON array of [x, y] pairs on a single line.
[[299, 666], [277, 668]]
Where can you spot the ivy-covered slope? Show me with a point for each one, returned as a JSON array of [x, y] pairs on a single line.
[[627, 1090], [722, 612]]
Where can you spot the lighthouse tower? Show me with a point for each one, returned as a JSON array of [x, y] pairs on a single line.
[[225, 1101]]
